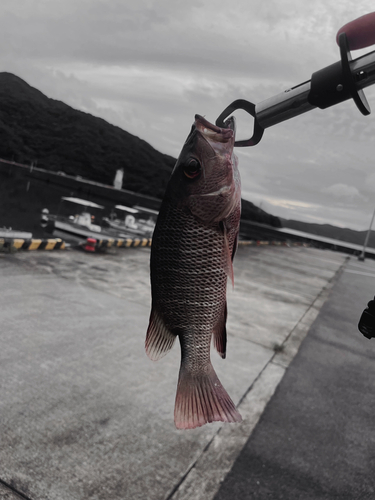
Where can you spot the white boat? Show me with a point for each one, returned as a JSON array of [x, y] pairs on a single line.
[[75, 217], [80, 219], [138, 221], [8, 232]]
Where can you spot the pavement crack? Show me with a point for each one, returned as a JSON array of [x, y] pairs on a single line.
[[14, 490]]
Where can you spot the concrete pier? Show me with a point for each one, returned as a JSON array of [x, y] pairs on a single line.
[[85, 414]]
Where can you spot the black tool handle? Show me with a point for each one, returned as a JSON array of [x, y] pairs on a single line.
[[327, 87]]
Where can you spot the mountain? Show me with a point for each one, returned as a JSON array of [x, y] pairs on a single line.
[[35, 128], [329, 231], [53, 136], [251, 212]]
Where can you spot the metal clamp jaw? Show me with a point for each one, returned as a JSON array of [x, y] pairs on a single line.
[[249, 107]]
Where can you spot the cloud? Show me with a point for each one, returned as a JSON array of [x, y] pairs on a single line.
[[370, 182], [342, 191], [149, 66]]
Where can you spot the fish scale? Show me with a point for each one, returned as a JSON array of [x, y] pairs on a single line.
[[191, 257], [170, 271]]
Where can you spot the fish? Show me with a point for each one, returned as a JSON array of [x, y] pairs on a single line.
[[192, 251]]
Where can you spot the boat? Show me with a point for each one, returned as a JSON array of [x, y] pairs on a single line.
[[8, 232], [138, 221], [75, 217], [78, 219]]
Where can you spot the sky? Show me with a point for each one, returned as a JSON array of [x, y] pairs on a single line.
[[148, 66]]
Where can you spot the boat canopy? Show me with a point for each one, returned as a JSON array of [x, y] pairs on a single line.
[[85, 203], [144, 209], [127, 209]]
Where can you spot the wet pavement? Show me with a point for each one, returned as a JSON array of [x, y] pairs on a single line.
[[84, 412], [316, 438]]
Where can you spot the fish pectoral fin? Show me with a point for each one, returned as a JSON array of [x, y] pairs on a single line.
[[201, 399], [220, 334], [159, 340], [235, 246], [228, 254]]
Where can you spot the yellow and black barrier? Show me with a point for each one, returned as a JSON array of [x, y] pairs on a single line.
[[127, 243], [271, 243], [13, 244], [92, 244]]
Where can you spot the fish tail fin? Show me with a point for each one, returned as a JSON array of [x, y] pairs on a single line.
[[201, 399]]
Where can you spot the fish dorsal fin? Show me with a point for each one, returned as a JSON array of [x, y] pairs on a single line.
[[220, 334], [159, 340]]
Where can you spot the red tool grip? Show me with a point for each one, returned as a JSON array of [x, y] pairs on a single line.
[[360, 32]]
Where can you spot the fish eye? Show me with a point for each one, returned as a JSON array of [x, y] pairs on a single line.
[[192, 168]]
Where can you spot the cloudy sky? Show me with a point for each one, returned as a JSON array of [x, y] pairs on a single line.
[[149, 65]]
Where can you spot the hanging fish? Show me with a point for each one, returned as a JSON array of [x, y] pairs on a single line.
[[193, 246]]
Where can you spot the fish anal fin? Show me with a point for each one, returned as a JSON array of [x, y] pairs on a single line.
[[201, 399], [159, 340], [220, 334]]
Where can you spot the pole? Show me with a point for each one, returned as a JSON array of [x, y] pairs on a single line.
[[362, 255]]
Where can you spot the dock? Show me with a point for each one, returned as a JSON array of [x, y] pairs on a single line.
[[84, 412]]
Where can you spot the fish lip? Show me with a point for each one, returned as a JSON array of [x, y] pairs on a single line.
[[231, 123], [211, 131]]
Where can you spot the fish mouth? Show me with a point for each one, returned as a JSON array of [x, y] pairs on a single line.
[[215, 133]]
